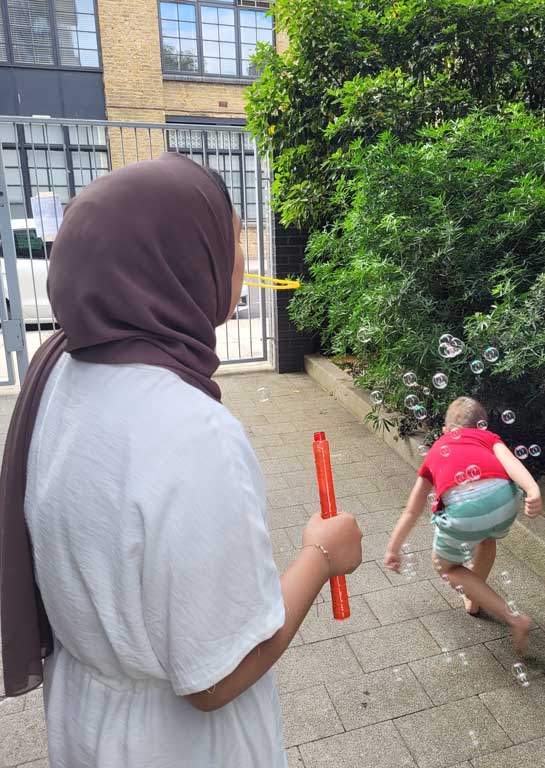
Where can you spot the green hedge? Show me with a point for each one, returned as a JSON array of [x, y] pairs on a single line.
[[444, 235]]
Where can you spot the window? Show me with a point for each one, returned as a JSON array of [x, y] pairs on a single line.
[[231, 153], [59, 33], [50, 158], [216, 38]]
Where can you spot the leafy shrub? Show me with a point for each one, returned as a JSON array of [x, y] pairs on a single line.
[[445, 234]]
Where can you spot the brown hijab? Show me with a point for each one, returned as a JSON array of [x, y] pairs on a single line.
[[140, 273]]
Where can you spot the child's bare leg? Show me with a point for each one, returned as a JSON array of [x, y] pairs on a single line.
[[478, 591], [483, 560]]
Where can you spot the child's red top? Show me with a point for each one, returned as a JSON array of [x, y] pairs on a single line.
[[472, 448]]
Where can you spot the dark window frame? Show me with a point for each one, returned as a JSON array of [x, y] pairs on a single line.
[[56, 48], [199, 73]]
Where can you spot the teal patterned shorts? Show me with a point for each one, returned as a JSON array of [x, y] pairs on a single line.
[[487, 510]]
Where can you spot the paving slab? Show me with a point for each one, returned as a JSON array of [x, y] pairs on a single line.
[[285, 517], [367, 578], [423, 566], [319, 623], [309, 715], [459, 675], [378, 696], [534, 658], [322, 662], [518, 710], [294, 758], [530, 755], [442, 736], [23, 739], [408, 601], [377, 746], [392, 645], [457, 629]]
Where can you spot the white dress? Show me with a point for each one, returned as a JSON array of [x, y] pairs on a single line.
[[146, 509]]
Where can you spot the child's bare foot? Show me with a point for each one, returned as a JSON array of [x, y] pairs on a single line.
[[520, 628], [471, 606]]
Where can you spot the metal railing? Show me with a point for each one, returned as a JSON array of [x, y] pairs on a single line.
[[46, 162]]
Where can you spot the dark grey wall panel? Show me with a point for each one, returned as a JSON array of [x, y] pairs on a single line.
[[58, 93]]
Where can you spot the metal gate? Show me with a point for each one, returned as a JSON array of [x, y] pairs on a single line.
[[46, 162]]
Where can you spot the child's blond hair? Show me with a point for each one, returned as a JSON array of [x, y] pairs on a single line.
[[465, 412]]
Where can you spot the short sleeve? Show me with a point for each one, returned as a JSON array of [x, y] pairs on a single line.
[[425, 472], [493, 439], [211, 590]]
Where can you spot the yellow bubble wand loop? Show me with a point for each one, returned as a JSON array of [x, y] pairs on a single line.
[[274, 283]]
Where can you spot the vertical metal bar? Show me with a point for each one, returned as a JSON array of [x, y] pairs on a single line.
[[122, 146], [33, 147], [191, 144], [246, 233], [94, 149], [231, 188], [218, 168], [150, 145], [136, 144], [49, 155], [12, 279], [260, 243]]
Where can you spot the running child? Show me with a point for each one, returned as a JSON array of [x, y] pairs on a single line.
[[478, 487]]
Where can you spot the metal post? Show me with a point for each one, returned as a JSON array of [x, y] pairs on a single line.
[[14, 339]]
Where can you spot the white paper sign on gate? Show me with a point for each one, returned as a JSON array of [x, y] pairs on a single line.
[[47, 215]]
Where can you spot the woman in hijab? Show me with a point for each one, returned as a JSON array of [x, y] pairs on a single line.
[[134, 553]]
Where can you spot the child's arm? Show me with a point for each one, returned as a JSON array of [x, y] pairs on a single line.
[[405, 524], [520, 475]]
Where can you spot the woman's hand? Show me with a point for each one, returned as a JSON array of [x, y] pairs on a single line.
[[341, 536]]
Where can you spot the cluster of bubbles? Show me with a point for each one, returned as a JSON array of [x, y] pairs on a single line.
[[520, 673], [448, 657], [450, 346], [522, 452], [408, 564], [471, 474]]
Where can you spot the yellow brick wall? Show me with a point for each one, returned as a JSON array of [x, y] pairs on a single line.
[[135, 89]]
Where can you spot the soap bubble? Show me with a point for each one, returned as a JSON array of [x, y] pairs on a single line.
[[422, 450], [534, 450], [482, 424], [460, 478], [445, 578], [364, 335], [406, 547], [491, 354], [431, 498], [466, 549], [446, 338], [376, 397], [425, 391], [445, 350], [263, 394], [455, 433], [458, 346], [513, 608], [460, 590], [397, 674], [521, 452], [477, 366], [520, 673], [506, 578], [473, 472], [447, 655], [440, 381], [508, 417], [411, 401], [444, 450], [463, 659], [474, 738], [409, 379], [420, 413]]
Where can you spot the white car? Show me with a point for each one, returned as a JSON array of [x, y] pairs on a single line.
[[33, 271], [32, 267]]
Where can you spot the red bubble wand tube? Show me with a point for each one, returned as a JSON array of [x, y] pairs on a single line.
[[339, 593]]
